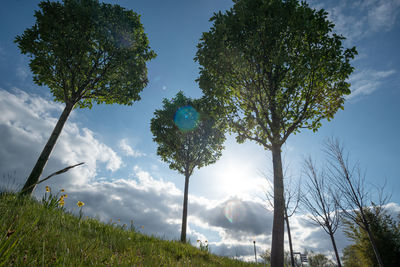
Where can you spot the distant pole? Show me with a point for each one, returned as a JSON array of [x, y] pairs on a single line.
[[255, 252]]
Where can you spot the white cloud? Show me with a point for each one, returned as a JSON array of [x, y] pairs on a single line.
[[367, 81], [128, 150], [358, 19], [27, 121], [164, 87], [382, 14]]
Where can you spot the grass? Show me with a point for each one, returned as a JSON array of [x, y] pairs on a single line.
[[34, 234]]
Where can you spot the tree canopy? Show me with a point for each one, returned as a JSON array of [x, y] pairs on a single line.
[[187, 136], [87, 52], [275, 66]]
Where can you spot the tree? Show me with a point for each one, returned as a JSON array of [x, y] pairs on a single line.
[[386, 234], [355, 197], [86, 52], [320, 202], [319, 260], [273, 67], [187, 137]]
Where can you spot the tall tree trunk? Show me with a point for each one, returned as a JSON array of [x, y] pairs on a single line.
[[44, 156], [185, 207], [334, 247], [278, 230], [290, 239]]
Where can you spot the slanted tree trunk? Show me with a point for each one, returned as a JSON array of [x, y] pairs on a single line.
[[372, 240], [185, 207], [290, 239], [278, 229], [44, 156], [331, 233]]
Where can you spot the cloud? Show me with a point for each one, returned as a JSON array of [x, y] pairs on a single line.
[[359, 19], [22, 73], [128, 150], [164, 87], [27, 121], [367, 81]]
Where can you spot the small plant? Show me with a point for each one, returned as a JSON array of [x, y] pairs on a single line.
[[80, 204], [203, 246], [51, 201]]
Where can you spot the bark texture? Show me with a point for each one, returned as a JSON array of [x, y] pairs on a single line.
[[277, 252], [185, 209]]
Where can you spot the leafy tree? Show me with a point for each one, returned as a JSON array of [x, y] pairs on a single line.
[[386, 233], [86, 52], [187, 137], [273, 67], [319, 260]]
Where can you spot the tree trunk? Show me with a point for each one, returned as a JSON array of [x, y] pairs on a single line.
[[185, 207], [335, 248], [290, 239], [372, 240], [37, 170], [278, 230]]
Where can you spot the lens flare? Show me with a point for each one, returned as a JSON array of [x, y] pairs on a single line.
[[186, 118], [233, 210]]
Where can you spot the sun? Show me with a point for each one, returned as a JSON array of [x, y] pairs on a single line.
[[235, 177]]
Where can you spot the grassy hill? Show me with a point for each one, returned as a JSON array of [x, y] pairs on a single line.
[[37, 233]]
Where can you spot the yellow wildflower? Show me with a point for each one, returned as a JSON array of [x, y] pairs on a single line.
[[142, 226], [47, 189], [61, 203], [80, 203], [65, 196], [62, 190]]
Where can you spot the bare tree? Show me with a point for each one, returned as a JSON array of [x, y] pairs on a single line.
[[292, 198], [355, 197], [320, 202]]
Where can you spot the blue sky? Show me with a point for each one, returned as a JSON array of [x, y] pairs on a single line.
[[123, 178]]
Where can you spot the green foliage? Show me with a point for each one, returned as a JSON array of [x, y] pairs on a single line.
[[386, 232], [203, 246], [32, 235], [319, 260], [185, 148], [86, 52], [266, 257], [273, 67], [52, 201]]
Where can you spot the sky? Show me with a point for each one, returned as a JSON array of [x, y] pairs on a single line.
[[123, 178]]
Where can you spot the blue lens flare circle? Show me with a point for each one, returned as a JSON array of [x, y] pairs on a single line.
[[186, 118]]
